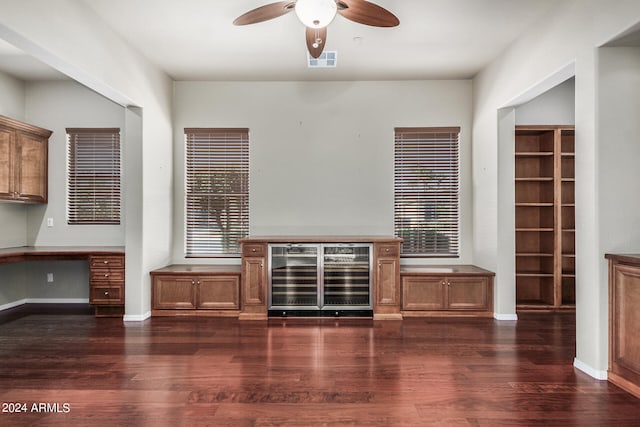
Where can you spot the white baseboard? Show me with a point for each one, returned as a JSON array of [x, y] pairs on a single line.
[[44, 301], [599, 375], [12, 304], [499, 316], [57, 300], [136, 317]]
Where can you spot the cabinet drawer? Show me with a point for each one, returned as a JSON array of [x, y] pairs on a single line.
[[387, 250], [107, 261], [106, 295], [253, 249], [105, 275]]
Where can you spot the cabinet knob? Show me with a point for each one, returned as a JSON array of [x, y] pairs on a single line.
[[106, 262], [106, 275], [106, 293], [253, 249]]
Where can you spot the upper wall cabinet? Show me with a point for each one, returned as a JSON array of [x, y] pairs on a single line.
[[23, 162]]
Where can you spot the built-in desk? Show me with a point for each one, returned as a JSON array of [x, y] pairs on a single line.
[[106, 270]]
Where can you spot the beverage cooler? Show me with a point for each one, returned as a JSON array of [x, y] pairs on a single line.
[[320, 279]]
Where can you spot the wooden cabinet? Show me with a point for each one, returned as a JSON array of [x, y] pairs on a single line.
[[545, 217], [386, 272], [386, 280], [106, 284], [624, 322], [23, 162], [254, 280], [447, 291], [196, 290]]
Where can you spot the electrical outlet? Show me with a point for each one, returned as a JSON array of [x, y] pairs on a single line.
[[49, 222], [49, 277]]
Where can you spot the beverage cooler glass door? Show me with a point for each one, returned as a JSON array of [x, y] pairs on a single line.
[[294, 277], [347, 276]]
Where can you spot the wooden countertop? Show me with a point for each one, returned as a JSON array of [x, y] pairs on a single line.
[[626, 258], [55, 253], [178, 269], [320, 239], [443, 270]]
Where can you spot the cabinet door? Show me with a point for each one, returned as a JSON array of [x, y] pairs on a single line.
[[31, 177], [6, 164], [624, 351], [173, 292], [387, 282], [468, 293], [218, 292], [253, 281], [423, 293]]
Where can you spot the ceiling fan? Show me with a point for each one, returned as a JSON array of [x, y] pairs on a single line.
[[317, 14]]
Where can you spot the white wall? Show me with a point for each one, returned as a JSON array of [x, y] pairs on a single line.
[[554, 107], [57, 105], [321, 153], [13, 216], [619, 150], [565, 40], [12, 99], [14, 288]]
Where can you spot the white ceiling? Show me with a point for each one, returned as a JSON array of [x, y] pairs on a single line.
[[196, 40]]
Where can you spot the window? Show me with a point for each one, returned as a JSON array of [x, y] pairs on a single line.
[[93, 191], [217, 191], [426, 191]]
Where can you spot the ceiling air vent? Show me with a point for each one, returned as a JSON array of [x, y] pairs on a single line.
[[327, 59]]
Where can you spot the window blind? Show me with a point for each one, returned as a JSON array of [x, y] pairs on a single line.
[[94, 162], [217, 191], [426, 190]]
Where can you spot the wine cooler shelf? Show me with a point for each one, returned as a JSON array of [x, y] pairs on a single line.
[[320, 279]]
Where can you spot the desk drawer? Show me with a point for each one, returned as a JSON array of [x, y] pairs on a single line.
[[106, 275], [106, 295], [106, 261], [387, 250], [253, 249]]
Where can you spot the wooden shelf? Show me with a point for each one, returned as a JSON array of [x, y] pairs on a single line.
[[533, 254], [545, 217], [534, 205], [534, 153], [534, 274], [535, 179]]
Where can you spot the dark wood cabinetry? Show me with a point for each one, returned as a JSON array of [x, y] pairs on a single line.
[[386, 280], [386, 276], [196, 290], [254, 280], [447, 291], [106, 284], [545, 217], [624, 322], [23, 161]]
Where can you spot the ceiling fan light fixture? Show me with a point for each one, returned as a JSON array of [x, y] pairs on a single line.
[[316, 13]]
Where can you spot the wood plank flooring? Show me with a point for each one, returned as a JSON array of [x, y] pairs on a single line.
[[293, 372]]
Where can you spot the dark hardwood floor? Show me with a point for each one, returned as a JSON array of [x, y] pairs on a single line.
[[80, 370]]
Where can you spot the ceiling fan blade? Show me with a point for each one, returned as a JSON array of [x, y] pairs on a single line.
[[367, 13], [316, 39], [265, 13]]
